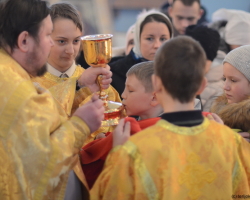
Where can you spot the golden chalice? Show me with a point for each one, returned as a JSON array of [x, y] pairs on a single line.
[[98, 51]]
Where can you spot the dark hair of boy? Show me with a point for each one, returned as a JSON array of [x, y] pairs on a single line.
[[17, 16], [67, 11], [208, 38], [143, 72], [180, 64], [157, 18], [188, 2]]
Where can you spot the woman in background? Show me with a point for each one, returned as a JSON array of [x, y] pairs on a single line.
[[152, 28]]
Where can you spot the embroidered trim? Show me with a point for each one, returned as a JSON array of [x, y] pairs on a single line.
[[141, 170], [184, 130]]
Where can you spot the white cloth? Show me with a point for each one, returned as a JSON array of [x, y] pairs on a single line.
[[240, 59], [197, 104], [237, 29], [65, 74]]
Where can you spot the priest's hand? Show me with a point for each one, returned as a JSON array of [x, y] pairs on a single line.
[[245, 135], [89, 77], [92, 113], [215, 117], [121, 133]]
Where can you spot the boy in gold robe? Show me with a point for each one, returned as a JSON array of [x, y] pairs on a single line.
[[184, 155], [63, 73], [69, 83], [38, 145]]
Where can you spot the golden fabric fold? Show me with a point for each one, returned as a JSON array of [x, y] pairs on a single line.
[[38, 145], [64, 91], [160, 157], [68, 100]]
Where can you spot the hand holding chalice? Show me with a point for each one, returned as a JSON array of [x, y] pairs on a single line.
[[98, 52]]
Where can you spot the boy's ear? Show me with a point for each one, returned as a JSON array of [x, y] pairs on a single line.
[[23, 41], [154, 101], [201, 13], [170, 8], [202, 86], [156, 81]]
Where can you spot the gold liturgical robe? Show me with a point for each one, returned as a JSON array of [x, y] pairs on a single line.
[[164, 161], [64, 91], [38, 146]]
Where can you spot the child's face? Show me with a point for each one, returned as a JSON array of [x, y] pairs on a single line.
[[135, 99], [66, 37], [236, 86], [153, 35]]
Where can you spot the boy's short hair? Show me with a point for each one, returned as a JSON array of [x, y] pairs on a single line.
[[143, 72], [208, 38], [180, 64], [67, 11], [188, 2]]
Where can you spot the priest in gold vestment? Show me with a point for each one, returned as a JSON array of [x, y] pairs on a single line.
[[184, 155], [38, 144]]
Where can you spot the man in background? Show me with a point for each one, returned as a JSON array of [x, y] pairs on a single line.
[[184, 13]]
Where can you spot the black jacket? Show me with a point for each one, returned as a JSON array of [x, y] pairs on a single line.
[[119, 69]]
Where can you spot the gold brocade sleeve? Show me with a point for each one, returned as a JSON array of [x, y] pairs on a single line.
[[242, 174], [112, 96], [64, 93], [39, 146], [126, 178]]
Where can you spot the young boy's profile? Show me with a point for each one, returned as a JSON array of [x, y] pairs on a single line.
[[138, 99], [184, 155]]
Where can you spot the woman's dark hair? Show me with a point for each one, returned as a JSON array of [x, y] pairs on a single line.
[[157, 18], [17, 16]]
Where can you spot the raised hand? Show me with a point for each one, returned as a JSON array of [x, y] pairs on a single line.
[[245, 135], [92, 113], [215, 117], [89, 76], [121, 133]]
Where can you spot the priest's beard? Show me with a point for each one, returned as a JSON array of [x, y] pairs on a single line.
[[42, 70], [35, 68]]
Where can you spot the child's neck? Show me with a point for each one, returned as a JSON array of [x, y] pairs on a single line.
[[172, 105], [154, 112], [177, 107], [59, 68]]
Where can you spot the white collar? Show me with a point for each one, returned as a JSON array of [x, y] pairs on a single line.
[[57, 73]]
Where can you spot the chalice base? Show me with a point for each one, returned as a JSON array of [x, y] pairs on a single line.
[[113, 112]]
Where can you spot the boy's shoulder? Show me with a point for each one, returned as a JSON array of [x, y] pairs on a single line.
[[163, 130]]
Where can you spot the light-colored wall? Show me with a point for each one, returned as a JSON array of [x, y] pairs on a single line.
[[213, 5]]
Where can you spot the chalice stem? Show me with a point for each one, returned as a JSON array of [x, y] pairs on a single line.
[[103, 96], [98, 81]]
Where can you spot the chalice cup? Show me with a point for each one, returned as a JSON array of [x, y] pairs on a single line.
[[97, 52]]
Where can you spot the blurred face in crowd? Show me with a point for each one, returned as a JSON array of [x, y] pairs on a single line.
[[183, 16], [130, 45], [66, 36], [153, 35], [130, 39], [135, 99], [236, 85]]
